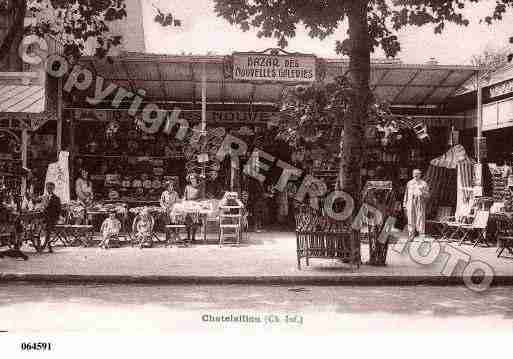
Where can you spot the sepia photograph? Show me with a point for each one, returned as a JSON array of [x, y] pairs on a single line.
[[175, 170]]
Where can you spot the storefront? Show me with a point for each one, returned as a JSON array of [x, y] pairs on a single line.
[[28, 131], [498, 117], [497, 124], [230, 95]]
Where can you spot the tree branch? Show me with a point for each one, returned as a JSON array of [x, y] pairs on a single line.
[[17, 28]]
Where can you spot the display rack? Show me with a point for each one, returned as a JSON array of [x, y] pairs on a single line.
[[500, 190]]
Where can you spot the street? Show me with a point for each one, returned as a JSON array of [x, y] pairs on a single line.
[[40, 309]]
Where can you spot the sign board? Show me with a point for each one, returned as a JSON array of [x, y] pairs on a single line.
[[490, 116], [257, 117], [505, 113], [271, 67], [501, 89], [58, 173]]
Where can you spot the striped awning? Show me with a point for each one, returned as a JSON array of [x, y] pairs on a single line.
[[22, 98], [451, 158]]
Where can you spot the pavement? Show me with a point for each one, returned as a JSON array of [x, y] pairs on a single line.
[[314, 310], [263, 258]]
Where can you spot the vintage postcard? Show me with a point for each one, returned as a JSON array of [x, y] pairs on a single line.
[[281, 169]]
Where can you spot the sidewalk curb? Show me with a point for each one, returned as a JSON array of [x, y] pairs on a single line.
[[347, 280]]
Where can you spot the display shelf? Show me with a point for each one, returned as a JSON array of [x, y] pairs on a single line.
[[130, 156], [318, 175]]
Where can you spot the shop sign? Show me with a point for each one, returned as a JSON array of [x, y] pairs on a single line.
[[195, 116], [501, 89], [274, 67], [238, 116]]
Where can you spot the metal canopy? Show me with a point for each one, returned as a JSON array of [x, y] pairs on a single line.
[[178, 79], [21, 93], [21, 98], [23, 101]]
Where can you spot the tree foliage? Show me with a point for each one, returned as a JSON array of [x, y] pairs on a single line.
[[279, 19], [72, 22], [314, 117], [492, 58], [309, 115]]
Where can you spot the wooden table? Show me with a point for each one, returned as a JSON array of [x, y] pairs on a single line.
[[201, 208]]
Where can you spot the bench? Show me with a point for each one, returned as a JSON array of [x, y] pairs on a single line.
[[327, 245]]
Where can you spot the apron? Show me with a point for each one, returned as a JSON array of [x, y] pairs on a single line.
[[415, 204]]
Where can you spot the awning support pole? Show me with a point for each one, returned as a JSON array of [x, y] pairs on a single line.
[[203, 99], [479, 116], [24, 159], [203, 123], [59, 116]]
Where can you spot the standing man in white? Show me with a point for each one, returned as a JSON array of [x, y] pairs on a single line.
[[415, 198]]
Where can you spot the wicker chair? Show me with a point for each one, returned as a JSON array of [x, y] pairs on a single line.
[[319, 236]]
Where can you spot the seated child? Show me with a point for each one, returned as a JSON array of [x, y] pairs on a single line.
[[143, 227], [110, 228]]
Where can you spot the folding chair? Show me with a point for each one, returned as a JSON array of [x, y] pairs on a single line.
[[439, 225], [452, 226], [478, 226], [230, 219], [504, 234]]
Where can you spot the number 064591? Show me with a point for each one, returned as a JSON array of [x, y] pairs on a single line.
[[36, 346]]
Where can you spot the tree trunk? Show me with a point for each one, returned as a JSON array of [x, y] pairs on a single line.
[[12, 39], [359, 75]]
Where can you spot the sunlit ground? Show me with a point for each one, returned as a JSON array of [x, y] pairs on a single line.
[[146, 309]]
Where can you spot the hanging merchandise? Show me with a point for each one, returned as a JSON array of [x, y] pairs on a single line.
[[156, 184], [421, 131], [111, 130], [146, 182], [92, 147], [113, 195], [137, 183], [245, 131], [126, 183], [389, 132], [454, 137]]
